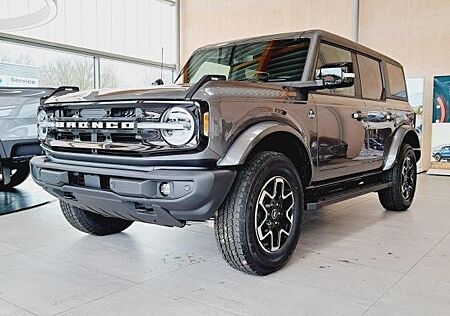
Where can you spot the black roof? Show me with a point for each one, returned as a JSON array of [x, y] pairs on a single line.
[[324, 35]]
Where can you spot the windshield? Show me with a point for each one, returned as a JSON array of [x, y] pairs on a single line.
[[271, 61]]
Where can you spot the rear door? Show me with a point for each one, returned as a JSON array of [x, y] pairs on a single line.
[[340, 138], [380, 122]]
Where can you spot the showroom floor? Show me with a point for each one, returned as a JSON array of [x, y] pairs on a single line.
[[353, 259]]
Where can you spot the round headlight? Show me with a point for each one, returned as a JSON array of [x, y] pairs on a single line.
[[183, 126], [42, 131]]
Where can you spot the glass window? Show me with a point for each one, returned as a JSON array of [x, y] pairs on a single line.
[[396, 81], [329, 54], [138, 28], [270, 61], [370, 74], [24, 66], [121, 74]]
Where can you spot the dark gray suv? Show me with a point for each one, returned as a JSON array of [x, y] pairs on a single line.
[[18, 133], [253, 133]]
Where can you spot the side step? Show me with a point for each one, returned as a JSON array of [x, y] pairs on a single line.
[[345, 195]]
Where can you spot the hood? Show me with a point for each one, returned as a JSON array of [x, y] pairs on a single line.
[[165, 92], [18, 108]]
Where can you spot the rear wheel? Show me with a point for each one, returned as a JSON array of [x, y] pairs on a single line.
[[92, 223], [19, 173], [403, 178], [258, 226]]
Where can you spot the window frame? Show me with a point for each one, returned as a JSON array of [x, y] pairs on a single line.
[[388, 85], [382, 75], [357, 82]]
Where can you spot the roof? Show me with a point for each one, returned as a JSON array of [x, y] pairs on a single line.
[[324, 35]]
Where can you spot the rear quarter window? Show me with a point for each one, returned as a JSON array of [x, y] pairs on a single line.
[[396, 79], [370, 75]]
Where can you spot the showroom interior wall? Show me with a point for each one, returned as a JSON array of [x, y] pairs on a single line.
[[141, 32], [415, 32]]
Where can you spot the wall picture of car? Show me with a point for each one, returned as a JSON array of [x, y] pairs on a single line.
[[18, 132], [442, 153]]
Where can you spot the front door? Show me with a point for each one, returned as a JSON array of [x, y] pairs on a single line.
[[340, 146], [340, 142]]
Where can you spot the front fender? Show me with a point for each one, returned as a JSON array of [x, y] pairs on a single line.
[[402, 134], [244, 144]]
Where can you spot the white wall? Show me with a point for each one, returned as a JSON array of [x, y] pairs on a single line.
[[211, 21]]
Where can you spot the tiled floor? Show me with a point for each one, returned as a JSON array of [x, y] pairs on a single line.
[[353, 258]]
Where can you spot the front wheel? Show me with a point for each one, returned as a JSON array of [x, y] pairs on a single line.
[[19, 173], [92, 223], [258, 226], [437, 157], [403, 179]]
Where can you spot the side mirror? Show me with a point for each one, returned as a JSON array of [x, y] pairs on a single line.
[[336, 75]]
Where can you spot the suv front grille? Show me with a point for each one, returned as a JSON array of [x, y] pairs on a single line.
[[129, 141]]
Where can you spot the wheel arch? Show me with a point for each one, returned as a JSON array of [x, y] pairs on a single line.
[[271, 136], [403, 135]]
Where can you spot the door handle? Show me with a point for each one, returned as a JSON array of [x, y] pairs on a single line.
[[359, 116]]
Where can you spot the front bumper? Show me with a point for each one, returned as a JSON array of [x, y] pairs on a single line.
[[134, 193]]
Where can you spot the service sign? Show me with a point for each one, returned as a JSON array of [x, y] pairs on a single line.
[[14, 81]]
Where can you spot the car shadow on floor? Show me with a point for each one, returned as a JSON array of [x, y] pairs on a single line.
[[24, 197]]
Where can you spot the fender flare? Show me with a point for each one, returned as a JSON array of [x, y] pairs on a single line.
[[246, 142], [397, 140]]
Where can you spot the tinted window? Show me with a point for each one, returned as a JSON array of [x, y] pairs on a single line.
[[370, 74], [271, 61], [396, 81], [330, 54]]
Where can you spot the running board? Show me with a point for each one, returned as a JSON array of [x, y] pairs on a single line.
[[345, 195]]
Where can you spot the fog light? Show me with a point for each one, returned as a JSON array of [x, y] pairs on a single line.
[[164, 189]]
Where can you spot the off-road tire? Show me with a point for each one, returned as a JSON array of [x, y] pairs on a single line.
[[391, 198], [22, 171], [234, 222], [92, 223]]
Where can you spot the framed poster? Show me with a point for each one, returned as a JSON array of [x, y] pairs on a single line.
[[440, 141]]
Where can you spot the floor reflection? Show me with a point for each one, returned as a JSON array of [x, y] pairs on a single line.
[[25, 196]]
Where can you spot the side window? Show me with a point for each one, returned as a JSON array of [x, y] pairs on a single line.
[[396, 81], [331, 54], [370, 74]]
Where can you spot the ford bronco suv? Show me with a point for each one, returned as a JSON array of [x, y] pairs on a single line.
[[253, 133], [18, 133]]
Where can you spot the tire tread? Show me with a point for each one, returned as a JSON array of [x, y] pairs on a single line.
[[391, 198], [230, 235], [92, 223]]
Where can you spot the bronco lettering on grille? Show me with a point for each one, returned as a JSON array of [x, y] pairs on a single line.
[[95, 125]]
